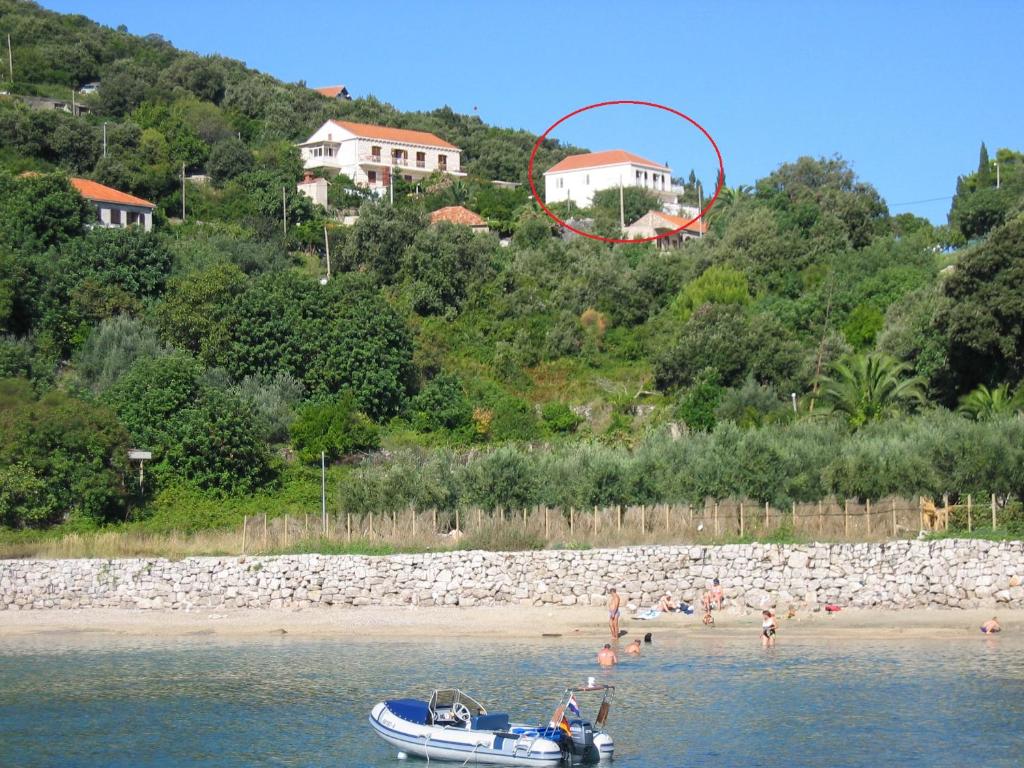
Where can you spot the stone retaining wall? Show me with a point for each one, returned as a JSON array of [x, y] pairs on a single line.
[[950, 573]]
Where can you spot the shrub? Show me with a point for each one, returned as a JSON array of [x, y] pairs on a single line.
[[334, 427], [559, 417]]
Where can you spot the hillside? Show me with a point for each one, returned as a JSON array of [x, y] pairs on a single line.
[[810, 344]]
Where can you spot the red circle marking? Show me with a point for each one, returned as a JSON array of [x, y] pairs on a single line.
[[700, 215]]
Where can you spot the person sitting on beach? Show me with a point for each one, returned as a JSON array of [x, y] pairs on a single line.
[[991, 626], [666, 604], [633, 649], [768, 627], [713, 597], [606, 656]]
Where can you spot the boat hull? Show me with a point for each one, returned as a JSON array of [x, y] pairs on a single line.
[[464, 745]]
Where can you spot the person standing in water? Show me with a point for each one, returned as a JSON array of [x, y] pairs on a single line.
[[613, 612], [991, 626], [768, 627], [606, 656]]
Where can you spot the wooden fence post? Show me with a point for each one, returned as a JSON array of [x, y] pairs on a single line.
[[643, 518], [480, 517], [348, 527], [969, 513], [547, 527], [413, 510], [305, 526], [457, 519], [792, 517], [846, 518], [993, 511], [595, 518], [894, 518], [371, 525], [618, 518], [945, 512], [264, 530], [716, 519], [821, 519], [867, 516], [767, 524], [741, 519], [572, 521], [245, 524], [286, 530], [433, 513]]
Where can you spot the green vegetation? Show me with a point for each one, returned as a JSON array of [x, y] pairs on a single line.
[[809, 345]]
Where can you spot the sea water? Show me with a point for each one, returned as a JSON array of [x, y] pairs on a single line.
[[91, 699]]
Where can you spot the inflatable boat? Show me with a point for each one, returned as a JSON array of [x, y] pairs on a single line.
[[453, 726]]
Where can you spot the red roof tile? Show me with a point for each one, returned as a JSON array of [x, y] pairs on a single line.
[[677, 221], [93, 190], [456, 214], [608, 157], [394, 134], [331, 91]]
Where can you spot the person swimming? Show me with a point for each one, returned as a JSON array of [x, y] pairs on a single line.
[[606, 656], [991, 626], [633, 648]]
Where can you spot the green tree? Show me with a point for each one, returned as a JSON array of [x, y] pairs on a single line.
[[985, 319], [228, 158], [442, 405], [76, 449], [984, 404], [40, 211], [335, 427], [870, 387], [444, 264]]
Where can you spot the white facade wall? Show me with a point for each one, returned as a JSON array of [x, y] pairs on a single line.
[[581, 184], [315, 190], [117, 216]]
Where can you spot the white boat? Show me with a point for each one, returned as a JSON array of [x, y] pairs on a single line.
[[453, 726]]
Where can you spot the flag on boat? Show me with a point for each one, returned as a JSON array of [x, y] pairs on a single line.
[[564, 725], [574, 706]]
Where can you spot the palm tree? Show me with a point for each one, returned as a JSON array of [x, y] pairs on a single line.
[[870, 387], [730, 196], [984, 404], [458, 192]]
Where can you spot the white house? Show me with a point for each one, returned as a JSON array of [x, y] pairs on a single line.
[[314, 187], [369, 154], [115, 208], [655, 223], [578, 177]]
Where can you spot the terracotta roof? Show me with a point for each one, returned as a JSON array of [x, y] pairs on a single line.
[[92, 190], [608, 157], [677, 221], [331, 91], [456, 214], [394, 134]]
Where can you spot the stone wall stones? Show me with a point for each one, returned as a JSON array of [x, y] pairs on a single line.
[[904, 574]]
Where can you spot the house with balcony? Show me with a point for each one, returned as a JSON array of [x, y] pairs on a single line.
[[577, 177], [370, 154], [114, 208], [659, 224]]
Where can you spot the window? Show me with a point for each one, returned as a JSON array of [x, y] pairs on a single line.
[[421, 159], [133, 217], [407, 177], [375, 153], [561, 183], [371, 177], [588, 178], [115, 216], [442, 162], [330, 151]]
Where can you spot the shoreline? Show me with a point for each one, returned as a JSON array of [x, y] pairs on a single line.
[[497, 623]]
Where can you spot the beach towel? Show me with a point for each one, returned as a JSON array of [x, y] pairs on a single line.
[[647, 614]]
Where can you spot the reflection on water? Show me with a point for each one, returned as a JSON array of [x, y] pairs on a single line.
[[96, 700]]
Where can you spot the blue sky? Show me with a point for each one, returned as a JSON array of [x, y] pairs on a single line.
[[905, 91]]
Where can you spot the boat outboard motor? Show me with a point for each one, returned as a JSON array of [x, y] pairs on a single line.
[[581, 734]]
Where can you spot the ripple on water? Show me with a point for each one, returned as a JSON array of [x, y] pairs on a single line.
[[96, 700]]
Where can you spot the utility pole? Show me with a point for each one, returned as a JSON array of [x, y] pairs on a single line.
[[327, 247], [391, 186], [182, 186], [10, 57], [323, 492], [284, 210], [996, 162], [104, 139]]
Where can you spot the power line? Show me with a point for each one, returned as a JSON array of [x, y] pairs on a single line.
[[915, 202]]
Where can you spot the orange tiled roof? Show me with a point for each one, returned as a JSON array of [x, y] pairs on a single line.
[[331, 91], [394, 134], [93, 190], [677, 221], [456, 214], [608, 157]]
